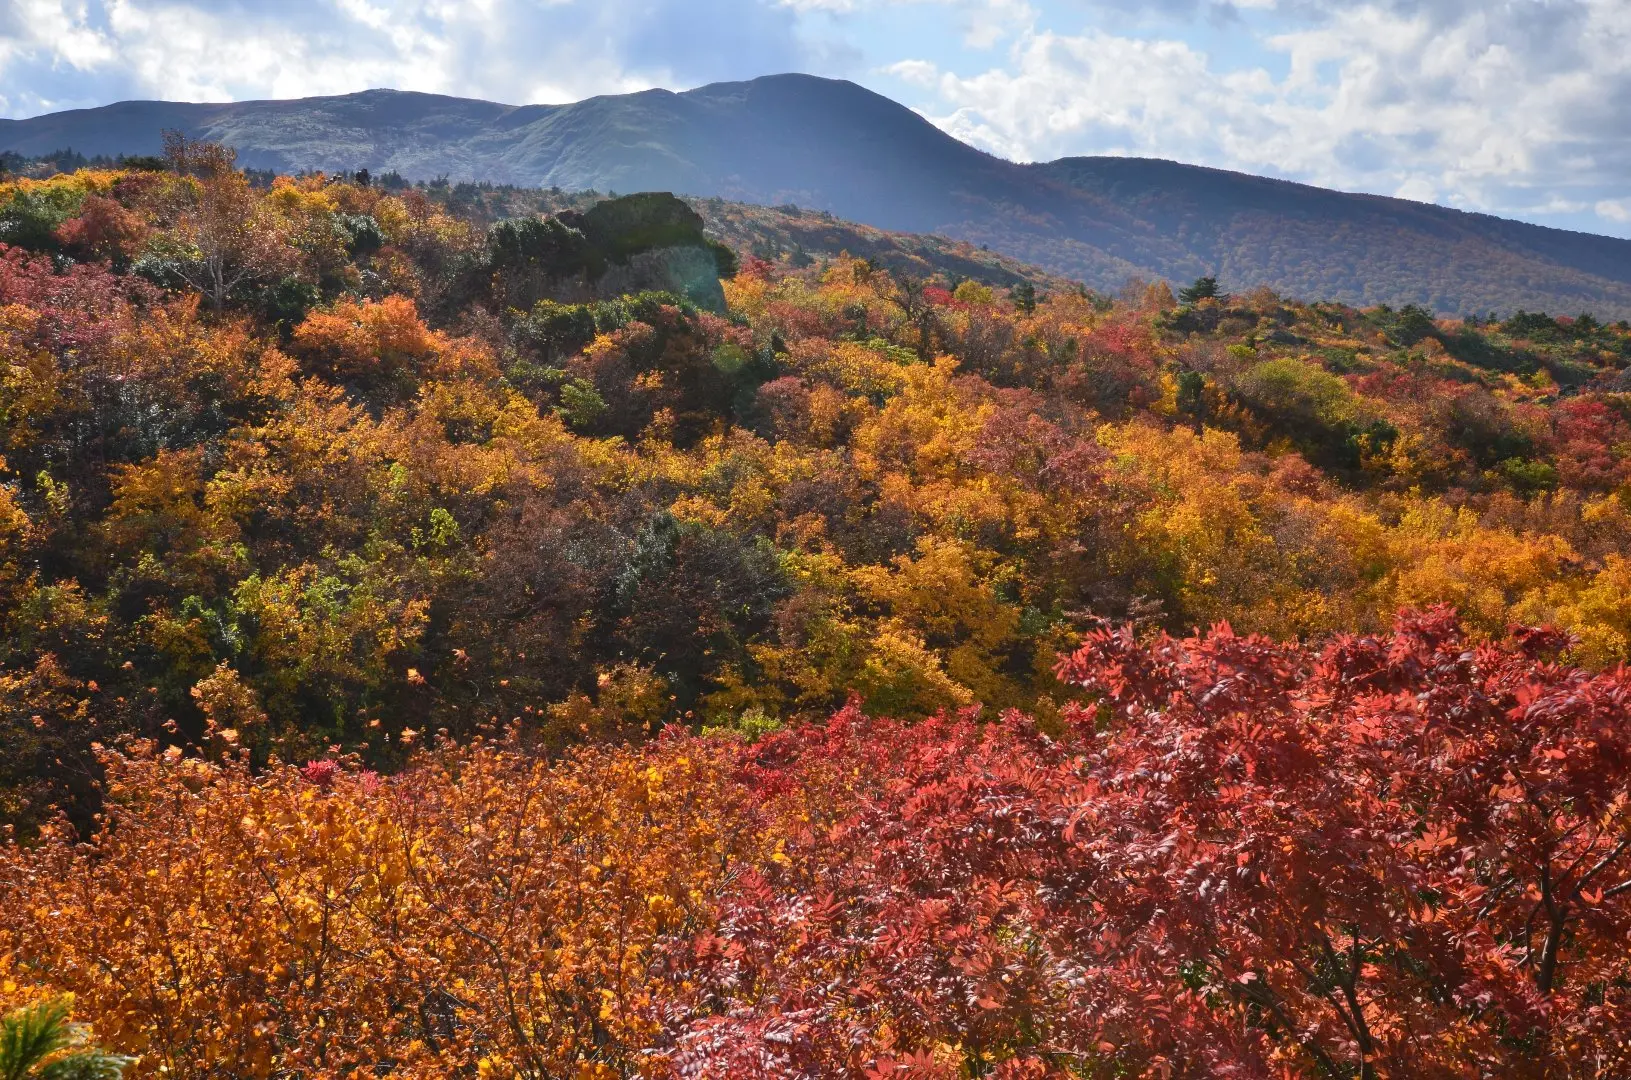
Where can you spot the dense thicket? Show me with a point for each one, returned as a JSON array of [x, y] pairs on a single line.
[[299, 479], [293, 458], [1399, 856]]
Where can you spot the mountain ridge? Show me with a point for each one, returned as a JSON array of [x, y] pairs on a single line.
[[833, 145]]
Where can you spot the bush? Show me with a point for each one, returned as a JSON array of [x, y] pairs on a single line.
[[1396, 855], [1316, 410], [30, 219]]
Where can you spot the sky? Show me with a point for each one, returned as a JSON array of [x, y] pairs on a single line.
[[1519, 108]]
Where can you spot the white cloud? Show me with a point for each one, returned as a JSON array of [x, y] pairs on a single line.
[[988, 22], [916, 72], [62, 23], [1523, 107], [984, 23], [65, 53], [1132, 96], [1418, 189]]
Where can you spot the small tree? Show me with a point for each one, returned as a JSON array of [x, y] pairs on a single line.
[[1413, 325], [231, 239], [1191, 398], [911, 297], [1024, 297], [40, 1042], [1205, 288]]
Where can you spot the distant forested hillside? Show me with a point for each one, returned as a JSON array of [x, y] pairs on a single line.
[[787, 235], [833, 146]]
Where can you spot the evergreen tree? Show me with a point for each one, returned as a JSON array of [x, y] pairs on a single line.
[[1205, 288]]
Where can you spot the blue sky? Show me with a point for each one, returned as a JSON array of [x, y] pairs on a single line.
[[1515, 107]]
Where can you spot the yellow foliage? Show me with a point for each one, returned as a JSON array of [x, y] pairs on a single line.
[[455, 919]]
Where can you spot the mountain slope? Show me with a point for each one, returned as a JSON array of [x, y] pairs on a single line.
[[1254, 228], [790, 235], [834, 146]]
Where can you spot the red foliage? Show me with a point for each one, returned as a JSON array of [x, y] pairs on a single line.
[[104, 230], [1404, 850], [320, 773], [1593, 444], [797, 321], [783, 406], [1397, 856], [1125, 338], [85, 306], [1018, 441]]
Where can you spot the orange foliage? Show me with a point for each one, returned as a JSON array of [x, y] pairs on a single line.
[[289, 491], [381, 342], [485, 910], [1394, 856]]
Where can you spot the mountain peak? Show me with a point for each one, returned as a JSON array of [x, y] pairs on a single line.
[[831, 144]]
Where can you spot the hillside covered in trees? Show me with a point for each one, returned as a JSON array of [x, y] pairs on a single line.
[[787, 233], [446, 641], [830, 145]]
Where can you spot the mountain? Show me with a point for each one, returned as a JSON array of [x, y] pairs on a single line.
[[1312, 242], [834, 146]]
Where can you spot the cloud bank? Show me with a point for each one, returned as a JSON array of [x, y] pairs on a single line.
[[1520, 107], [57, 54]]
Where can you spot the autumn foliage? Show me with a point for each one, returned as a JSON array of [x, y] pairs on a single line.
[[404, 674], [1403, 855]]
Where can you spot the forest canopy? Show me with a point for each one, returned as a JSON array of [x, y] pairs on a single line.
[[446, 644]]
